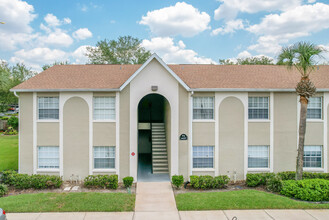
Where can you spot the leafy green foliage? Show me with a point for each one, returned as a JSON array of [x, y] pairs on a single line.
[[10, 131], [46, 66], [209, 182], [10, 77], [274, 184], [13, 122], [25, 181], [3, 190], [262, 60], [4, 118], [308, 190], [177, 180], [125, 50], [128, 181], [258, 179], [291, 175], [103, 181]]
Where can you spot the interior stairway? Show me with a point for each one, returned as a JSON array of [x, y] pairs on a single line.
[[159, 149]]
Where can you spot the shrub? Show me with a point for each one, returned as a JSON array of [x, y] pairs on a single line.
[[104, 181], [287, 175], [177, 181], [25, 181], [4, 118], [208, 182], [13, 122], [258, 179], [291, 175], [308, 190], [10, 131], [274, 184], [3, 190], [220, 182], [128, 181]]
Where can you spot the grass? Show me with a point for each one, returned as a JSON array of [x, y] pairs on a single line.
[[242, 199], [8, 152], [69, 202]]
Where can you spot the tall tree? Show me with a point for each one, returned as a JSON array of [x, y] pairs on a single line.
[[125, 50], [262, 60], [301, 56], [46, 66]]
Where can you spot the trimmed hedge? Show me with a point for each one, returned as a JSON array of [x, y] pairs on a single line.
[[258, 179], [128, 181], [177, 180], [308, 189], [25, 181], [291, 175], [103, 181], [209, 182], [3, 190]]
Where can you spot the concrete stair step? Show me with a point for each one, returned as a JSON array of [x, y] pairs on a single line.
[[159, 149], [160, 172], [159, 146], [157, 157], [160, 168], [160, 160]]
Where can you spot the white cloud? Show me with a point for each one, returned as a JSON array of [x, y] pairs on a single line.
[[67, 21], [311, 1], [244, 54], [230, 27], [301, 21], [37, 57], [17, 16], [79, 55], [57, 38], [52, 20], [171, 53], [229, 9], [82, 34], [181, 19]]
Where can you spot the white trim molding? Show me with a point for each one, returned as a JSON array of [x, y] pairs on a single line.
[[34, 118], [271, 151], [325, 131], [117, 133], [190, 127]]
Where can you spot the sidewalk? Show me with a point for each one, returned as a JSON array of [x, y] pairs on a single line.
[[156, 201]]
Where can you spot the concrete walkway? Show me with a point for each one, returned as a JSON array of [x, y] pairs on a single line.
[[156, 201]]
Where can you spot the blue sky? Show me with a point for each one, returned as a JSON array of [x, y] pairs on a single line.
[[41, 32]]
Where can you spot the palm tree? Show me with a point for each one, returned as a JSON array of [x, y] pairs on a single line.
[[301, 56]]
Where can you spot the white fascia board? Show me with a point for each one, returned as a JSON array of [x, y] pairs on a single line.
[[155, 56], [64, 90]]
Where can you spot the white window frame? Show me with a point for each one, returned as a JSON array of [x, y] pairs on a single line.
[[46, 169], [268, 159], [316, 119], [113, 119], [205, 168], [268, 110], [213, 109], [105, 169], [322, 159], [38, 110]]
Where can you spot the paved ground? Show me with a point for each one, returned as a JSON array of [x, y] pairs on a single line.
[[156, 201]]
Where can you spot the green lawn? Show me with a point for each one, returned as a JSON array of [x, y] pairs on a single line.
[[242, 199], [8, 152], [69, 202]]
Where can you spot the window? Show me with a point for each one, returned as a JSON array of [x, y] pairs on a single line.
[[314, 108], [203, 107], [104, 157], [312, 157], [48, 107], [48, 157], [258, 156], [203, 157], [258, 108], [104, 108]]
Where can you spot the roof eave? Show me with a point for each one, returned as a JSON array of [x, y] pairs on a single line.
[[64, 90]]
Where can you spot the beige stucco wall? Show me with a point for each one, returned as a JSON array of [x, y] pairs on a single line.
[[167, 120], [231, 137], [183, 129], [48, 134], [203, 133], [104, 134], [258, 133], [76, 137], [314, 133], [203, 173], [285, 132], [124, 132], [26, 133]]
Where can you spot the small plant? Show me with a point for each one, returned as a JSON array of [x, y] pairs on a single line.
[[128, 181], [274, 184], [103, 181], [4, 118], [220, 182], [13, 122], [177, 180], [3, 190], [209, 182], [258, 179], [10, 131]]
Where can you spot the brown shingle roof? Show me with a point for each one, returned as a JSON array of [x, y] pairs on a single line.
[[194, 75]]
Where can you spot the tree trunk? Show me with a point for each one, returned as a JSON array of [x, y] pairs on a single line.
[[302, 131]]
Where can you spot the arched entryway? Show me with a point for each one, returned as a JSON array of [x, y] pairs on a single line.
[[154, 126]]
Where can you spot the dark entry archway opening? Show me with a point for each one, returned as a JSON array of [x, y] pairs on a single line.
[[152, 139]]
